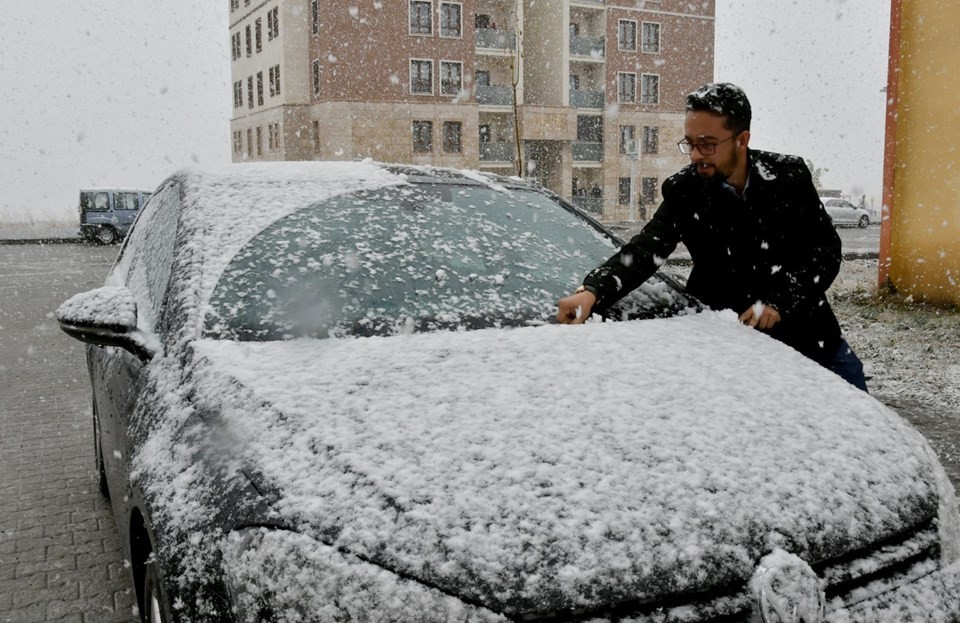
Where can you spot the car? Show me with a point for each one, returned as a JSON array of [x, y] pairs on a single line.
[[106, 213], [336, 392], [842, 212]]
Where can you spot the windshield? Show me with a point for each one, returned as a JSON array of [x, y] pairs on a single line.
[[401, 259]]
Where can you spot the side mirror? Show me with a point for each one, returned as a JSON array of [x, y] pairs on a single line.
[[107, 317]]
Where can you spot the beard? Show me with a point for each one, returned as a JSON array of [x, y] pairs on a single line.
[[719, 170]]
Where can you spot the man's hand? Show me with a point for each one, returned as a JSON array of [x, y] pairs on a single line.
[[760, 316], [575, 309]]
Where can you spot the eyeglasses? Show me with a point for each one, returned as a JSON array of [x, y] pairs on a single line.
[[686, 147]]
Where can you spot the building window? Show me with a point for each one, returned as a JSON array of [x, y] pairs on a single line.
[[481, 78], [451, 19], [623, 191], [259, 34], [451, 78], [590, 128], [484, 132], [237, 143], [650, 89], [277, 143], [249, 143], [316, 137], [238, 94], [259, 141], [627, 138], [422, 137], [421, 77], [421, 18], [452, 133], [273, 23], [651, 37], [627, 35], [270, 142], [626, 87], [259, 88], [276, 73], [249, 41], [648, 190], [651, 140], [234, 5], [315, 16], [316, 77], [235, 45], [250, 92]]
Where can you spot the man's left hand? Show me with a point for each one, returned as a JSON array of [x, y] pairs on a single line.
[[760, 316]]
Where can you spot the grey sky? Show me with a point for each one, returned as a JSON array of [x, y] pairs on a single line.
[[91, 99]]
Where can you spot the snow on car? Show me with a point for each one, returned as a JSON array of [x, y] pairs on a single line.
[[342, 397]]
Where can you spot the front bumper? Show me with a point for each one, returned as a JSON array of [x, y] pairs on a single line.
[[931, 598]]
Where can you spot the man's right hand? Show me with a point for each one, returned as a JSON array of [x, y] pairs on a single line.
[[575, 309]]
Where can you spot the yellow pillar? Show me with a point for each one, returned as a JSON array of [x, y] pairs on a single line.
[[920, 235]]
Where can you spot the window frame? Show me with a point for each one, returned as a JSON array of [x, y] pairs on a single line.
[[258, 34], [410, 76], [250, 92], [633, 137], [643, 45], [410, 31], [415, 135], [620, 24], [315, 76], [249, 40], [315, 17], [648, 131], [440, 28], [643, 78], [459, 137], [460, 73], [260, 88], [620, 91]]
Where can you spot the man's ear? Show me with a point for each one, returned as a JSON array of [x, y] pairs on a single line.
[[744, 139]]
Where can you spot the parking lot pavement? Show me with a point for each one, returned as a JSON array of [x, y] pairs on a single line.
[[60, 557]]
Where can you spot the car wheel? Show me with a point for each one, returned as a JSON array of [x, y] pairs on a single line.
[[98, 454], [864, 221], [106, 235], [153, 609]]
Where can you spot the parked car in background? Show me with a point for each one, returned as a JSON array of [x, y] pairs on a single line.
[[842, 212], [336, 392], [107, 213]]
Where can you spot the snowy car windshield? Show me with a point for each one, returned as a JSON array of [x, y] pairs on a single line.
[[416, 257]]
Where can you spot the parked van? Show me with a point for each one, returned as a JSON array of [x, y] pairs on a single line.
[[107, 213]]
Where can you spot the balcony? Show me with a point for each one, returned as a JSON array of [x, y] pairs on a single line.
[[495, 95], [587, 152], [593, 47], [496, 152], [496, 39], [586, 99]]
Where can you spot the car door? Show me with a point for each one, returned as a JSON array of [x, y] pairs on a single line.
[[144, 267]]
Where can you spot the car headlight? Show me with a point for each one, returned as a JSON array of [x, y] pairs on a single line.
[[278, 576]]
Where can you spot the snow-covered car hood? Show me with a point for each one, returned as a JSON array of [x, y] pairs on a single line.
[[562, 466]]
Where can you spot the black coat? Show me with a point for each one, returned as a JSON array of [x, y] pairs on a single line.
[[776, 245]]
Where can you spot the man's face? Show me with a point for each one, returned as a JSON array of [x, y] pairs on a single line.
[[729, 150]]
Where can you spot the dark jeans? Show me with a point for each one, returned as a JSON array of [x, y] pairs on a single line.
[[846, 364]]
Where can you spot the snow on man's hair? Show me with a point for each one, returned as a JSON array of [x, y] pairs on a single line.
[[724, 99]]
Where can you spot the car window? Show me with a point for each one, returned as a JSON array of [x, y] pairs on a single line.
[[411, 258], [147, 258], [126, 201], [95, 201]]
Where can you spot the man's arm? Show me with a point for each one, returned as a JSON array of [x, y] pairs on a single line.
[[633, 264]]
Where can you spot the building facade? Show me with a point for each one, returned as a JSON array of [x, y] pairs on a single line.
[[585, 96]]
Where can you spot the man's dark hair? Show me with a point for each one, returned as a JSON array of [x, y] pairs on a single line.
[[725, 99]]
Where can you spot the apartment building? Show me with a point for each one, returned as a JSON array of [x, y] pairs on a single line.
[[585, 96]]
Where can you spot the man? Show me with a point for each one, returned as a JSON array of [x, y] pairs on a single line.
[[761, 242]]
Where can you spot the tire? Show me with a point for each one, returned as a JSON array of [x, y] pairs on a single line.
[[98, 457], [154, 610], [106, 235], [864, 221]]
